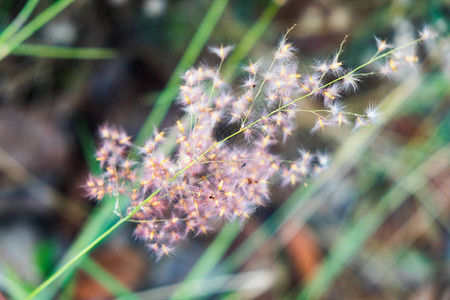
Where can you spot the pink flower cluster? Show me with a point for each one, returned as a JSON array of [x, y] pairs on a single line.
[[210, 177]]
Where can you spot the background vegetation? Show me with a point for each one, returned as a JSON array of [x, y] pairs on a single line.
[[375, 226]]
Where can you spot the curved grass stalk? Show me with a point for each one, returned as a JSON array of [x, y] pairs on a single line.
[[21, 18], [243, 48], [102, 276], [168, 95], [74, 260], [87, 249], [264, 80], [355, 236], [250, 38], [259, 280], [63, 52], [11, 281], [32, 27]]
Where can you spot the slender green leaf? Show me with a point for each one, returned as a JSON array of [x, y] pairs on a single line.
[[207, 261], [12, 283], [412, 181], [251, 37], [108, 281], [34, 25], [72, 263], [63, 52], [358, 232], [21, 18], [166, 98]]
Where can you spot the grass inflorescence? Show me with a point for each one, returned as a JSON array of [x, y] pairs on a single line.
[[208, 178]]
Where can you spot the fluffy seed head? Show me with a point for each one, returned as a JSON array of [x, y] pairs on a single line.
[[223, 165]]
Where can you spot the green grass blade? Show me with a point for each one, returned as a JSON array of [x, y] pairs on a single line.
[[358, 233], [21, 18], [74, 261], [11, 282], [257, 280], [68, 291], [63, 52], [37, 23], [251, 37], [87, 146], [99, 220], [207, 261], [424, 200], [167, 96], [384, 260], [108, 281]]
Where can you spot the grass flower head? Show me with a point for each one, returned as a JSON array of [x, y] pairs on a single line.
[[212, 177]]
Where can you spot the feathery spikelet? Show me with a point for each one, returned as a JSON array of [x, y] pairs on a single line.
[[210, 178]]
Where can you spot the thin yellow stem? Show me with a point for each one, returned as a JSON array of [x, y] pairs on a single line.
[[265, 79]]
